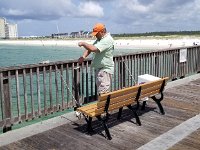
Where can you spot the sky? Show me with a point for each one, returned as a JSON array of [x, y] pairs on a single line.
[[44, 17]]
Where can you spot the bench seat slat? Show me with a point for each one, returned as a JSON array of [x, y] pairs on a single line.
[[87, 107], [94, 111]]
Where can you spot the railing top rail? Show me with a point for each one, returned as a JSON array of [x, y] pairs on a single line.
[[28, 66], [156, 50]]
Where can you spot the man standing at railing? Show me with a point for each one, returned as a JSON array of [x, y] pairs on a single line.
[[102, 62]]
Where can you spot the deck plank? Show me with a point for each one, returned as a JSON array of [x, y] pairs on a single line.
[[180, 104], [191, 142]]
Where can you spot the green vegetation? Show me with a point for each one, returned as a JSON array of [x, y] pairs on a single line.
[[158, 34], [169, 34], [147, 35]]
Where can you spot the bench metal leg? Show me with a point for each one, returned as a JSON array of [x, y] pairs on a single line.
[[135, 114], [138, 105], [143, 105], [89, 124], [6, 129], [105, 127], [159, 104], [119, 113]]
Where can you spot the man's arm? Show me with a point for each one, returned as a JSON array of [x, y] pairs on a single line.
[[82, 58], [89, 47], [86, 53]]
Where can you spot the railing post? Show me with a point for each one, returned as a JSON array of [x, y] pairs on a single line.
[[76, 86], [198, 60], [122, 74], [7, 106], [156, 66]]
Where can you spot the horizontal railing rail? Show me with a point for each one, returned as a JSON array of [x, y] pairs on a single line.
[[31, 91]]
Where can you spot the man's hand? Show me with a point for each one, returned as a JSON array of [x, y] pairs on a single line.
[[81, 59]]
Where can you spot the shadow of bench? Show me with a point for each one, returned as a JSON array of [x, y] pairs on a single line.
[[119, 99]]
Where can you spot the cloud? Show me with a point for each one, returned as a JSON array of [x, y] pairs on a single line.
[[36, 10], [133, 6], [152, 15], [90, 9], [49, 9], [155, 11], [120, 15]]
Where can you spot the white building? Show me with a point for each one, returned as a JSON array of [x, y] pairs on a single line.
[[11, 31], [2, 28]]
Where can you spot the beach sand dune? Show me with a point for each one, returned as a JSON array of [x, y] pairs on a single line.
[[120, 43]]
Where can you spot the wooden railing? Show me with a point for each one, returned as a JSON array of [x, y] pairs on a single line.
[[31, 91]]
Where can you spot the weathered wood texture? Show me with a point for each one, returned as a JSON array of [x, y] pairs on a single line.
[[36, 90], [191, 142], [180, 103]]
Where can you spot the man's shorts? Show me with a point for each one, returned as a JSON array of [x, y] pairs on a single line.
[[103, 81]]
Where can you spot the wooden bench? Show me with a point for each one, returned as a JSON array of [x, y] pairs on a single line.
[[121, 98]]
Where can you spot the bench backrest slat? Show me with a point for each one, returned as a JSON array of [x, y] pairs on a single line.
[[155, 88], [117, 98], [150, 93], [151, 88], [117, 93], [115, 106], [128, 95], [151, 84]]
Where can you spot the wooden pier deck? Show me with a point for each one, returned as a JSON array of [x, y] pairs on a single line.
[[179, 128]]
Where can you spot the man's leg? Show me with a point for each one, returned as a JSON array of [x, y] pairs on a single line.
[[103, 81]]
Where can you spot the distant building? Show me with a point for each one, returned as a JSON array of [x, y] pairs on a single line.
[[74, 34], [87, 34], [77, 34], [59, 35], [7, 30], [11, 31], [80, 34], [2, 28]]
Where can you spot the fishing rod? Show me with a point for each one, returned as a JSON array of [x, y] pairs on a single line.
[[126, 67], [62, 78], [67, 86], [129, 72], [78, 114]]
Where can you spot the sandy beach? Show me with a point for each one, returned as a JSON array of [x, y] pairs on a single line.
[[119, 43]]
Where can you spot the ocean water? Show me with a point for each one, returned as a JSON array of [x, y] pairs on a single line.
[[14, 55]]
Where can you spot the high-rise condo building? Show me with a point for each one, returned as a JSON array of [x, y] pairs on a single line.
[[7, 30], [2, 28], [11, 30]]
